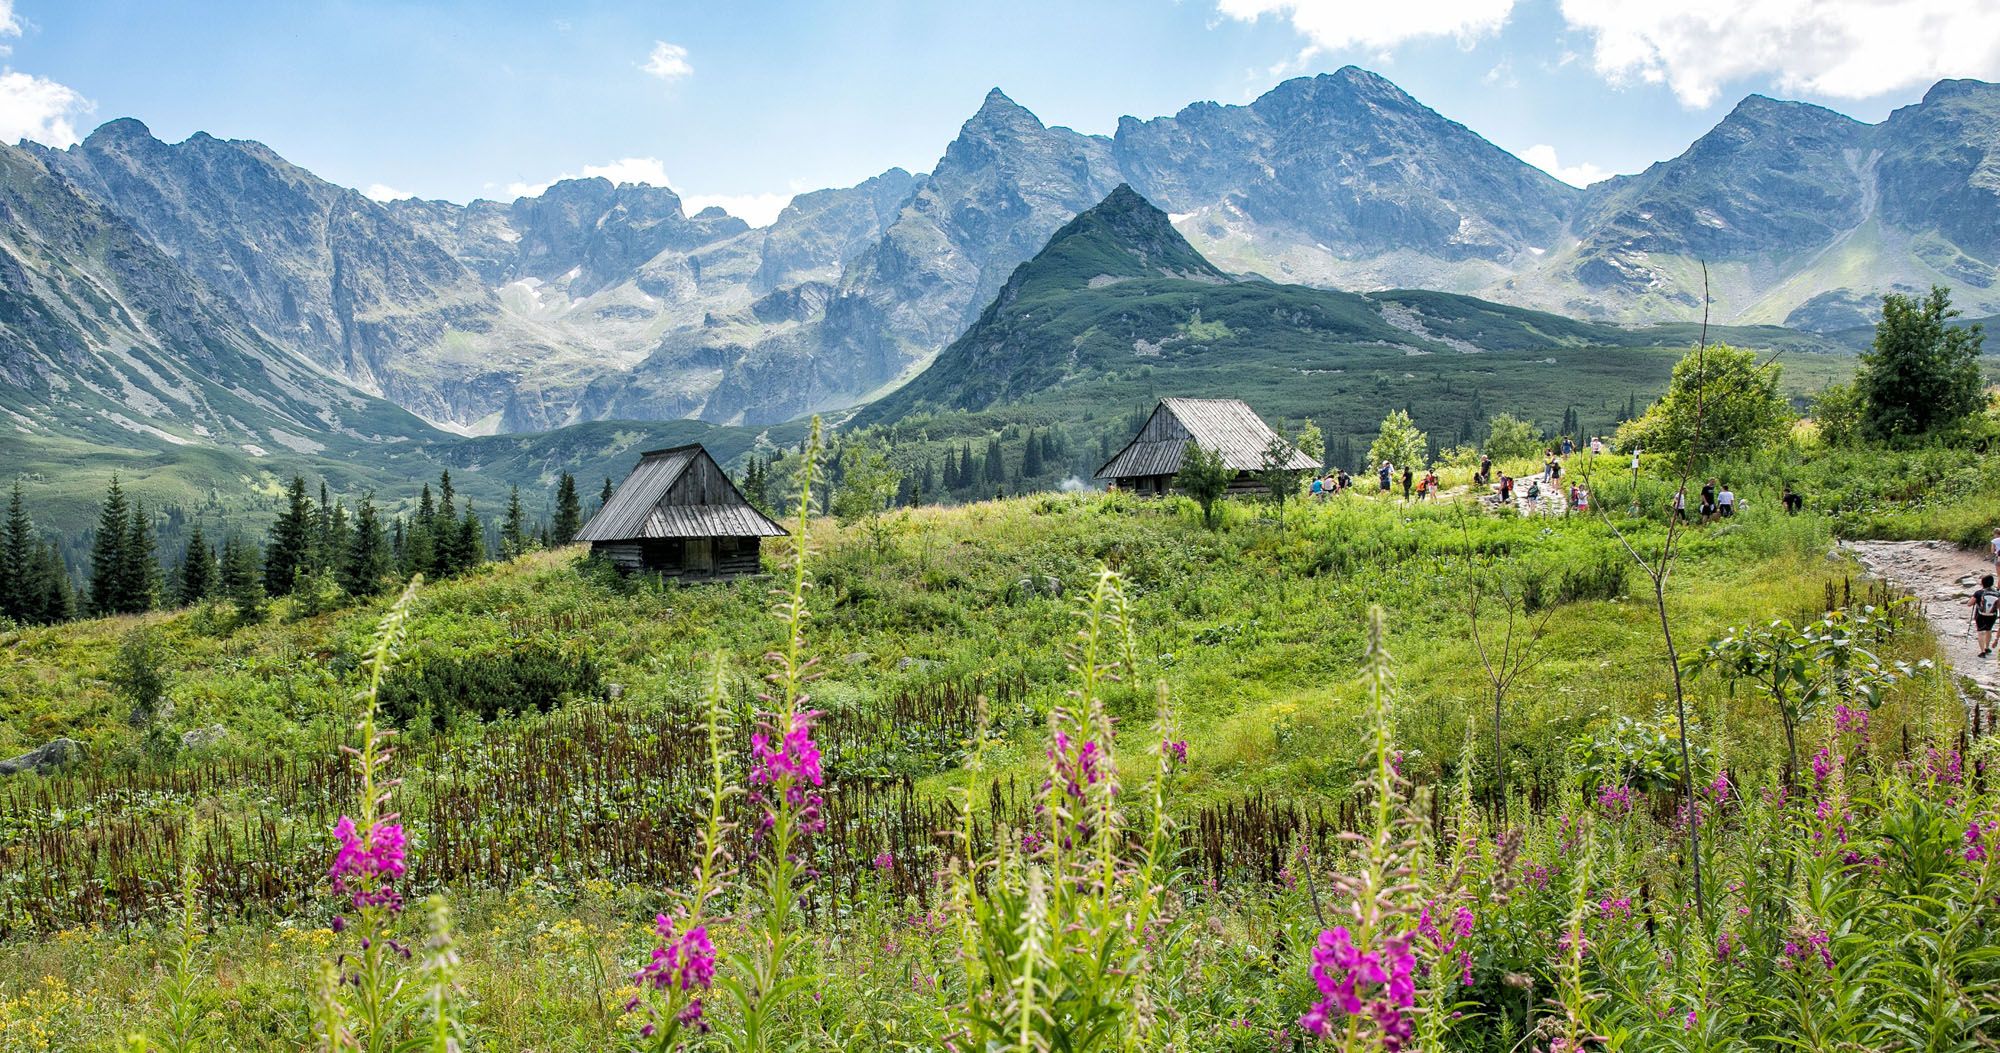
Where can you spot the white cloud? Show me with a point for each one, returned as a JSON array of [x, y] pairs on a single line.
[[668, 61], [1840, 48], [38, 108], [758, 210], [385, 192], [1331, 25], [1543, 156]]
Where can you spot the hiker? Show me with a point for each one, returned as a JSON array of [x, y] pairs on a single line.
[[1985, 610], [1725, 502], [1707, 509], [1430, 485], [1568, 446], [1793, 502], [1383, 473], [1575, 497], [1534, 496], [1596, 445], [1681, 504], [1318, 488], [1342, 481], [1485, 469], [1581, 499], [1409, 476], [1506, 489]]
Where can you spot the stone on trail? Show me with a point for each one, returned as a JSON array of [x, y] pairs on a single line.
[[202, 738]]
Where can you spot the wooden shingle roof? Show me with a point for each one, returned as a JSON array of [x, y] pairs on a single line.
[[679, 492], [1226, 426]]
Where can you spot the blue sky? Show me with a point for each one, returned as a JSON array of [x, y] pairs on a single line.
[[746, 102]]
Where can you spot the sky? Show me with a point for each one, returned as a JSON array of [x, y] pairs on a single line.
[[743, 103]]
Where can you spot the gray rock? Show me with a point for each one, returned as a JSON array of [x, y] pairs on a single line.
[[614, 692], [919, 664], [203, 738], [856, 658], [55, 754]]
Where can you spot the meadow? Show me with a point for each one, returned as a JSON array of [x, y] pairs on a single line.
[[1081, 774]]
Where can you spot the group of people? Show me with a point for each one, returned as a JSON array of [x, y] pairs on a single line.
[[1986, 603], [1332, 483]]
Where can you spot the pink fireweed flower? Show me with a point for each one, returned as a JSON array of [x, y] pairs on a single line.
[[681, 963], [1976, 843], [1616, 909], [1725, 947], [1616, 800], [1854, 720], [1177, 749], [1687, 1023], [1446, 943], [885, 861], [1718, 790], [790, 765], [1945, 768], [1380, 985], [1804, 946], [1822, 766], [366, 868]]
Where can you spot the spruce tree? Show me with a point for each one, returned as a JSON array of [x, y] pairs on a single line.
[[368, 559], [444, 532], [569, 514], [1031, 457], [966, 476], [57, 601], [470, 549], [996, 464], [139, 570], [291, 538], [604, 495], [107, 552], [513, 530], [419, 546], [18, 561], [198, 570], [240, 579]]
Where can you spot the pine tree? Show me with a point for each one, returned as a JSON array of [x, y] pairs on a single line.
[[966, 476], [470, 550], [107, 553], [198, 570], [444, 532], [368, 557], [419, 547], [139, 570], [57, 601], [18, 561], [291, 538], [513, 531], [604, 495], [240, 579], [996, 464], [569, 514], [1031, 457]]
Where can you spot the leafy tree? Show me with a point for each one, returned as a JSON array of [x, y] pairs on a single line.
[[1204, 477], [139, 677], [1509, 438], [1720, 394], [368, 559], [1399, 442], [569, 514], [198, 570], [291, 537], [1923, 373], [1279, 478], [18, 561], [1837, 411], [513, 529], [1312, 442], [108, 562], [869, 484]]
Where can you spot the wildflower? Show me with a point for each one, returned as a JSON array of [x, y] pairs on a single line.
[[885, 861], [1822, 766], [1378, 984], [1616, 800], [1944, 768], [1726, 946], [1804, 945], [1975, 843], [1719, 789], [683, 964], [1688, 1023], [1178, 748], [1846, 719], [790, 766], [1445, 944], [366, 868], [1618, 909]]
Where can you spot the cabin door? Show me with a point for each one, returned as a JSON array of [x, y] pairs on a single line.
[[701, 555]]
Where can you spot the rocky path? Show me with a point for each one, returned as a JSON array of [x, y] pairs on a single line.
[[1941, 576]]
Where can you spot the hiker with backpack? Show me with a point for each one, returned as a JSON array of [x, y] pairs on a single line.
[[1985, 612]]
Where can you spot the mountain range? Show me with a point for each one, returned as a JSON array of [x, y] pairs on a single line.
[[208, 294]]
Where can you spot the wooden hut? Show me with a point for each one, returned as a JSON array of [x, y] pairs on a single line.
[[678, 515], [1148, 463]]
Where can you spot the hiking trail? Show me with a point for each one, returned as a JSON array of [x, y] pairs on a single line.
[[1941, 576]]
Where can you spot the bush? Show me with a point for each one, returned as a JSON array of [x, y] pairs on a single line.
[[441, 690]]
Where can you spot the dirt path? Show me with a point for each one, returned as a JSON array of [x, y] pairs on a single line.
[[1941, 576]]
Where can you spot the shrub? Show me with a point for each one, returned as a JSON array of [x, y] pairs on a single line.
[[530, 677]]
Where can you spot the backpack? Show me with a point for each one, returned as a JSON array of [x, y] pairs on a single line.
[[1988, 601]]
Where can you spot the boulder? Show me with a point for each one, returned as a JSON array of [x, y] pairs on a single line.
[[856, 658], [202, 738], [55, 754]]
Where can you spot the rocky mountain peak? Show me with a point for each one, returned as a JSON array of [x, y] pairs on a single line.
[[1001, 117]]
